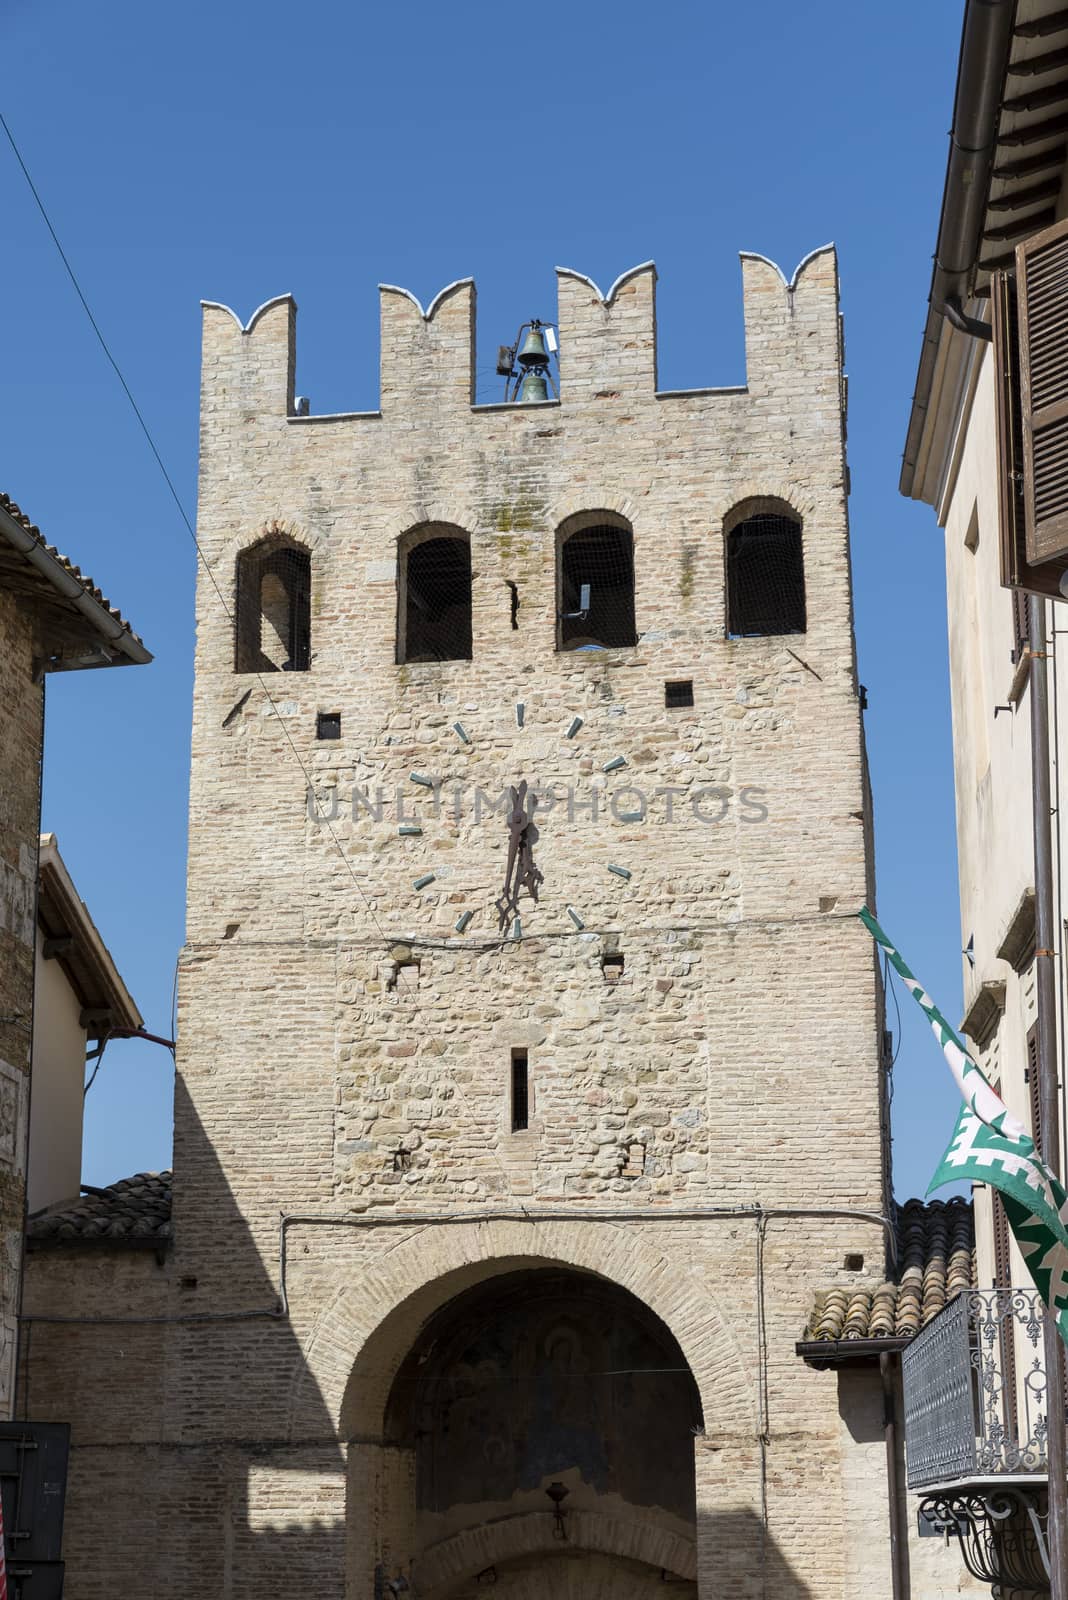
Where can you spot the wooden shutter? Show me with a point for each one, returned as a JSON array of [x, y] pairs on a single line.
[[1020, 629], [1016, 570], [1002, 1258], [1032, 1084], [1006, 1327], [1042, 305]]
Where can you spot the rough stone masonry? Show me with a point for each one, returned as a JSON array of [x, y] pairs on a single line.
[[701, 1039]]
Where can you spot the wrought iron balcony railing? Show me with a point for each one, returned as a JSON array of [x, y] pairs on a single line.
[[975, 1390]]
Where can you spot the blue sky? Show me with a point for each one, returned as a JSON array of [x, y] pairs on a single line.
[[234, 152]]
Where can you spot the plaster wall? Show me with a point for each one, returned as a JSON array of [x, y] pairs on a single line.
[[55, 1160]]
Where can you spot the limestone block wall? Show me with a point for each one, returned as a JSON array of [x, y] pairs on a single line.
[[345, 1054]]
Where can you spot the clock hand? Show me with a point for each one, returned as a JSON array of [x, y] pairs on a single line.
[[507, 903]]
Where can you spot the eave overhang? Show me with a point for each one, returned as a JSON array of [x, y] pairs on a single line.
[[77, 626], [67, 927], [826, 1353], [1004, 182]]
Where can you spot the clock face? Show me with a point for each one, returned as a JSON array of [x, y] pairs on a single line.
[[512, 827]]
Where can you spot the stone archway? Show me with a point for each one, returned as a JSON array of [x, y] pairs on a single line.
[[541, 1411], [373, 1318], [538, 1380], [364, 1333]]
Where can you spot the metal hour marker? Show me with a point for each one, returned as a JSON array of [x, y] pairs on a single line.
[[461, 732], [576, 724], [630, 816], [520, 713], [615, 764], [409, 831], [421, 779], [462, 920], [428, 877], [620, 872], [517, 929], [576, 919]]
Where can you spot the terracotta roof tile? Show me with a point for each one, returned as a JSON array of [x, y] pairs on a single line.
[[135, 1211], [16, 513], [936, 1259]]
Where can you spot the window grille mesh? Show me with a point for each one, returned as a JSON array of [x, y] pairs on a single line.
[[603, 557], [273, 632], [765, 577], [437, 601]]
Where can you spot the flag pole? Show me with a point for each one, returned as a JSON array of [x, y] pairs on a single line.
[[1048, 1095]]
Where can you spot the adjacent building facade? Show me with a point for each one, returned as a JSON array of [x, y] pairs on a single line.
[[531, 1074], [80, 1001], [52, 619], [983, 451]]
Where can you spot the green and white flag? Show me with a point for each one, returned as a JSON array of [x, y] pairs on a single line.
[[992, 1146]]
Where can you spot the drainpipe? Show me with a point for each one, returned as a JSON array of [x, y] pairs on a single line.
[[899, 1577], [1048, 1086], [984, 54]]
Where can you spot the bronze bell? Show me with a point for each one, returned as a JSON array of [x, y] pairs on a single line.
[[533, 353], [533, 387]]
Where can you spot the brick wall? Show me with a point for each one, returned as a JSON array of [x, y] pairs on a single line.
[[344, 1054], [21, 733]]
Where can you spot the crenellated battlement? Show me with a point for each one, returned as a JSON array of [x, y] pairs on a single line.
[[608, 342]]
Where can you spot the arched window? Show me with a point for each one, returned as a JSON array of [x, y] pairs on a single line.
[[273, 631], [434, 595], [765, 571], [595, 583]]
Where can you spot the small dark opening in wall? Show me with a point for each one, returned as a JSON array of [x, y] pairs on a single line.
[[514, 588], [520, 1092], [402, 1160], [188, 1283], [854, 1262], [612, 967], [328, 725], [678, 694]]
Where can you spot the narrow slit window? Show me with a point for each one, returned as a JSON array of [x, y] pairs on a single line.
[[328, 725], [520, 1092], [765, 576]]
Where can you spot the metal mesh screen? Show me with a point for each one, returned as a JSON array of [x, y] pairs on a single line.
[[437, 601], [273, 625], [765, 577], [602, 557]]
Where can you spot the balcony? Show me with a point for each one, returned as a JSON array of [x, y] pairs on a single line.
[[975, 1433]]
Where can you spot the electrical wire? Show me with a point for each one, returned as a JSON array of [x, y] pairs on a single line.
[[207, 568]]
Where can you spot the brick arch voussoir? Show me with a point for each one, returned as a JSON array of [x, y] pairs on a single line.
[[749, 498], [452, 1561], [364, 1332], [466, 517], [591, 500]]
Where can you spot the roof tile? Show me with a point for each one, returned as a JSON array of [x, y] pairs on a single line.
[[133, 1211], [935, 1260], [16, 513]]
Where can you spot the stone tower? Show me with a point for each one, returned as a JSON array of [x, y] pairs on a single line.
[[495, 1225]]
